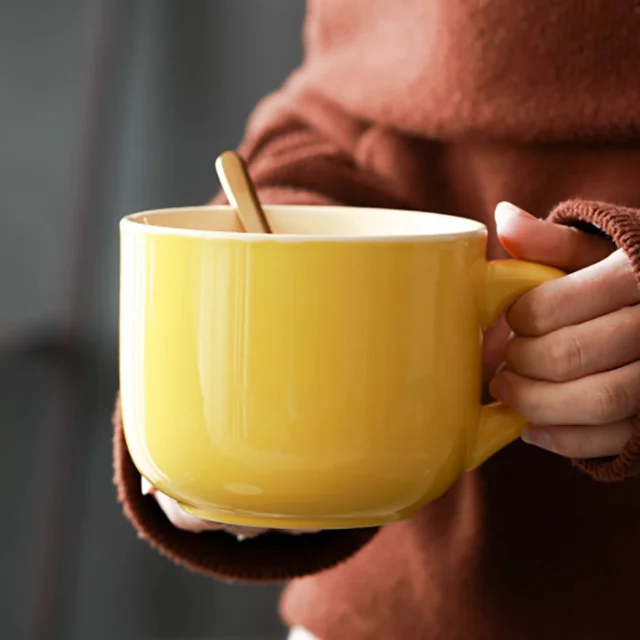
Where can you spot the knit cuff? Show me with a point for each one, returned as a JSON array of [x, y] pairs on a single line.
[[271, 557], [622, 225]]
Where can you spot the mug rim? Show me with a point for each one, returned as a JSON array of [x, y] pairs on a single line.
[[466, 228]]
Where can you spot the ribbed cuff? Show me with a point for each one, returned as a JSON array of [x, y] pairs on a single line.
[[622, 225], [271, 557]]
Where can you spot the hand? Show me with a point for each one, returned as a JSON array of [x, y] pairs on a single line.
[[572, 367], [185, 521]]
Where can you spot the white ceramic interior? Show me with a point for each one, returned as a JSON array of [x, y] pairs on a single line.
[[293, 222]]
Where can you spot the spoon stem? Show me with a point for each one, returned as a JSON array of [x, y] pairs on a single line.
[[241, 193]]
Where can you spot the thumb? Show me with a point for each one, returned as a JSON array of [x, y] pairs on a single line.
[[527, 238]]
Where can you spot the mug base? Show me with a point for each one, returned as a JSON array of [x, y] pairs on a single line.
[[289, 522]]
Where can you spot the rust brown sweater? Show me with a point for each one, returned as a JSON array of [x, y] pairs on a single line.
[[452, 106]]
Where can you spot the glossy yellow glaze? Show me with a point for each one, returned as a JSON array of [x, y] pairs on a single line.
[[305, 381]]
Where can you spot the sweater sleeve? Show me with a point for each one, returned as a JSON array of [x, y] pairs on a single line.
[[622, 225], [297, 154]]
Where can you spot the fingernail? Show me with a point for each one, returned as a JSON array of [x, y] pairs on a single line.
[[538, 437], [500, 369], [146, 487], [505, 208]]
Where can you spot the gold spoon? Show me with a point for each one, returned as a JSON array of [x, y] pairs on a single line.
[[241, 193]]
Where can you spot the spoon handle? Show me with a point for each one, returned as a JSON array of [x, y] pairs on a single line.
[[241, 193]]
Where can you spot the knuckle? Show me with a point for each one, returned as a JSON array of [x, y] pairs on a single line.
[[565, 358], [630, 322], [621, 265], [512, 353], [538, 315], [522, 400], [610, 402]]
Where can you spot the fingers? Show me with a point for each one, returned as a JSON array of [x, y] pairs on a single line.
[[182, 520], [573, 371], [587, 441], [527, 238], [603, 398], [578, 297], [608, 342], [186, 522]]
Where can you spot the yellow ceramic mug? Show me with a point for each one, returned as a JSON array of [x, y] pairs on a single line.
[[326, 376]]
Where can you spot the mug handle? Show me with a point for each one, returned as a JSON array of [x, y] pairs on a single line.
[[500, 284]]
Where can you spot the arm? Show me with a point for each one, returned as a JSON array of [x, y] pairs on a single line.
[[298, 153]]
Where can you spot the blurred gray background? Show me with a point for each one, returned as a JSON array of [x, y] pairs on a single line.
[[107, 107]]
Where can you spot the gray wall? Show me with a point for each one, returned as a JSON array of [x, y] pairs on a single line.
[[107, 107]]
